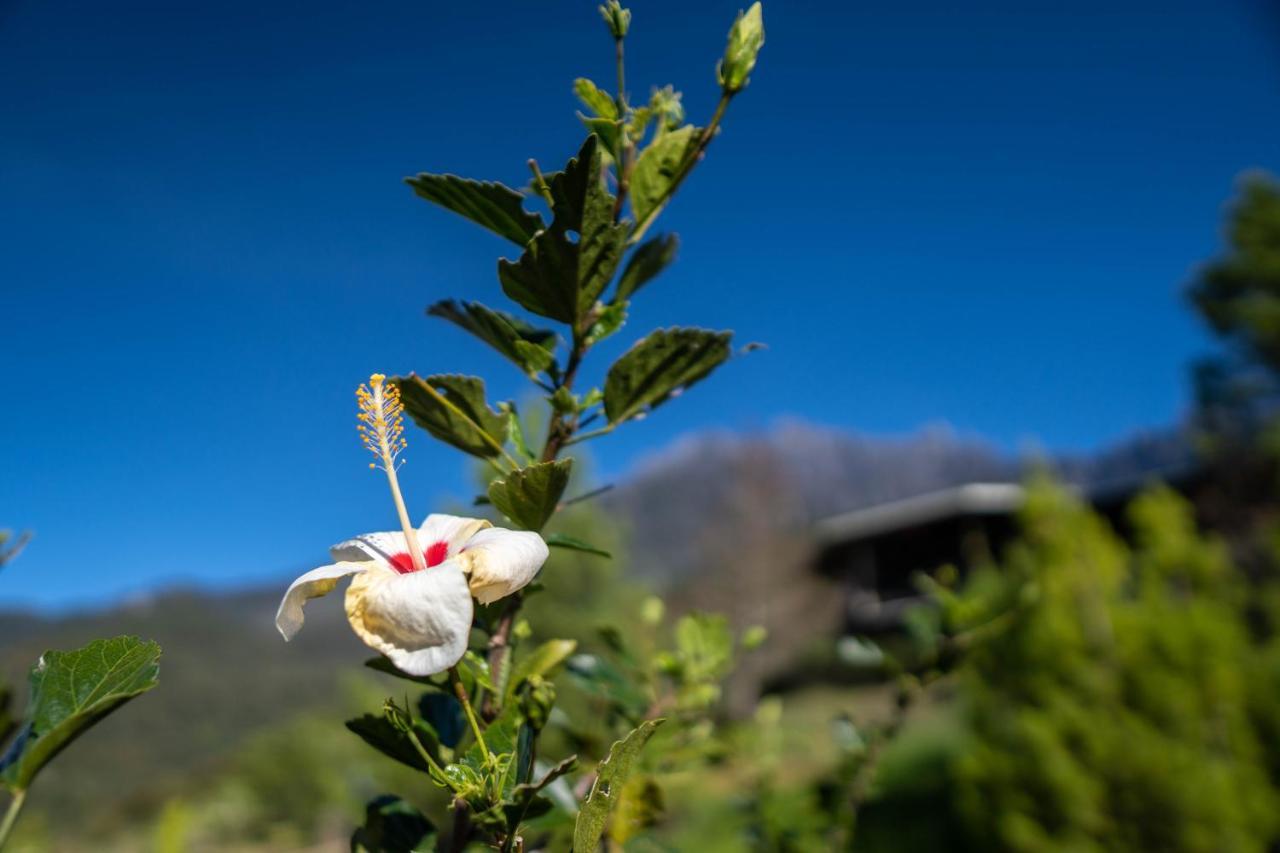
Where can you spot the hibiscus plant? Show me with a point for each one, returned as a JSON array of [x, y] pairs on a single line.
[[440, 602]]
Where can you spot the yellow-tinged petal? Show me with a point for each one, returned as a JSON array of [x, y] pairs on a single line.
[[313, 584], [420, 620], [499, 562]]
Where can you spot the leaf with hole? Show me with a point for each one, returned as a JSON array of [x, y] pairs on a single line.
[[565, 268], [611, 775], [492, 205]]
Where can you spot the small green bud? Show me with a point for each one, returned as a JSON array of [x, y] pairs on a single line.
[[652, 610], [754, 637], [618, 18], [665, 104], [746, 37]]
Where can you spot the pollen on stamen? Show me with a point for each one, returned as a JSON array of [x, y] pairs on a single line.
[[381, 421]]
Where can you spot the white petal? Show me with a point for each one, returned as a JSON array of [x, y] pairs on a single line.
[[420, 620], [371, 546], [453, 530], [313, 584], [500, 561]]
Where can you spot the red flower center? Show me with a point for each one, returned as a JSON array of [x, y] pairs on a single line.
[[435, 554]]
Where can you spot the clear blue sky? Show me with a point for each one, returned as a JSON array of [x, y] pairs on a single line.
[[976, 213]]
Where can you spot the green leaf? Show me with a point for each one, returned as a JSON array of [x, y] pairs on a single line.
[[539, 662], [651, 258], [658, 366], [600, 103], [498, 208], [559, 540], [565, 268], [529, 497], [611, 777], [384, 665], [70, 691], [528, 347], [524, 795], [516, 430], [384, 736], [598, 677], [456, 413], [656, 169], [608, 321], [393, 826]]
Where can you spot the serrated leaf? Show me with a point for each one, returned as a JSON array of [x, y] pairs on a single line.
[[539, 662], [611, 775], [595, 99], [529, 497], [70, 691], [652, 257], [393, 826], [456, 413], [559, 540], [565, 268], [495, 206], [658, 166], [528, 347], [666, 361]]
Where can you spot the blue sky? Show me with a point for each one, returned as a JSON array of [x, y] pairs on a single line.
[[982, 216]]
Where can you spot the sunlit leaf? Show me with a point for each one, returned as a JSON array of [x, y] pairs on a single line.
[[657, 167], [611, 776], [666, 361], [498, 208], [70, 692], [529, 496], [607, 322], [456, 413], [539, 662], [600, 103]]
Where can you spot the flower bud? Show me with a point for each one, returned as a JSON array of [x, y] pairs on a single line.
[[746, 37], [617, 18]]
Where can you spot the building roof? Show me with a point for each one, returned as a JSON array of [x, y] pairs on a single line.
[[969, 499]]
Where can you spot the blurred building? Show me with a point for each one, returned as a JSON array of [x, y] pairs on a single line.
[[874, 553]]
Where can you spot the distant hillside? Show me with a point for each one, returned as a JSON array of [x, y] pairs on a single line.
[[720, 520]]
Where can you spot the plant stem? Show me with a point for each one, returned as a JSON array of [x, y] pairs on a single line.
[[426, 756], [461, 693], [461, 825], [587, 436], [540, 184], [11, 815], [626, 148], [704, 140]]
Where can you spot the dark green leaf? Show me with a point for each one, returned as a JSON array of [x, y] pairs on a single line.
[[559, 540], [666, 361], [528, 347], [70, 691], [443, 712], [611, 776], [599, 102], [393, 826], [456, 413], [524, 796], [383, 665], [498, 208], [565, 268], [384, 736], [529, 496], [657, 167], [651, 258]]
